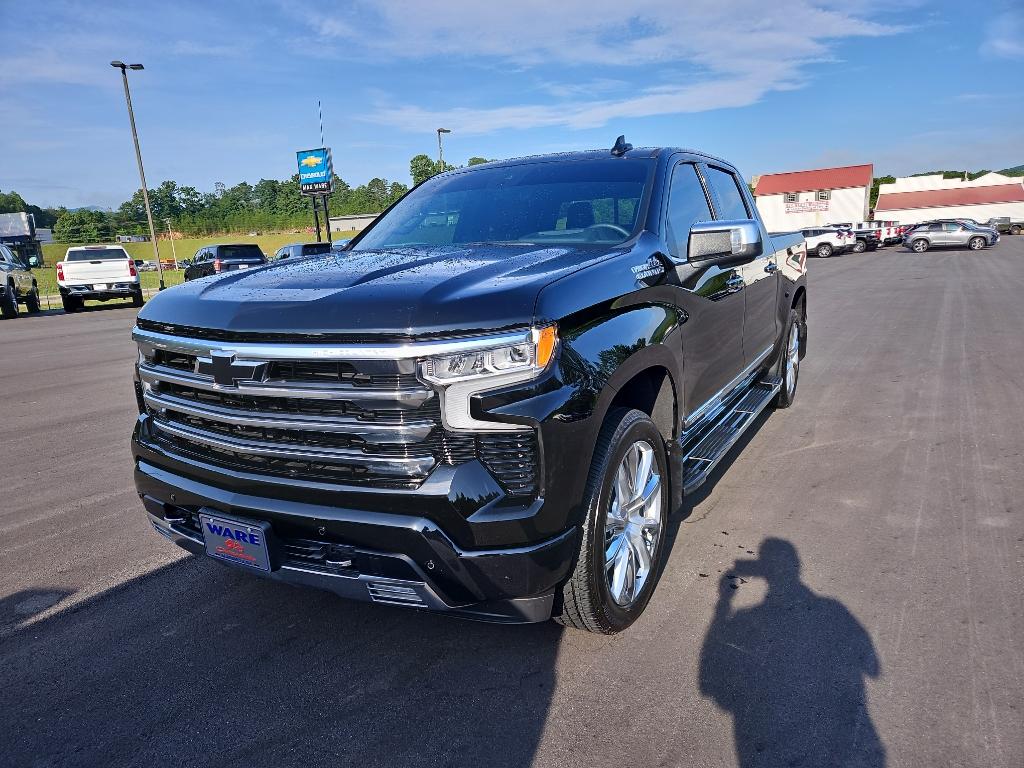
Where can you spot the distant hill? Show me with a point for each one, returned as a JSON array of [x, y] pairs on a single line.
[[89, 208], [1017, 170]]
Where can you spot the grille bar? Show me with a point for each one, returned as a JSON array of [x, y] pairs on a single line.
[[408, 432], [395, 466], [397, 398]]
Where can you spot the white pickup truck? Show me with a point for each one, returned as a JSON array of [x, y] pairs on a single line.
[[97, 272]]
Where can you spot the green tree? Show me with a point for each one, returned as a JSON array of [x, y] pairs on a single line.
[[477, 161], [875, 182], [422, 168]]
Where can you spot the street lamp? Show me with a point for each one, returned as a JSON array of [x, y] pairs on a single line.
[[440, 149], [138, 156]]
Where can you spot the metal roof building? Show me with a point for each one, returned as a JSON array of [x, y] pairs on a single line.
[[913, 199], [799, 199]]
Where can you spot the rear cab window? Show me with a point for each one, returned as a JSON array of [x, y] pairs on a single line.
[[96, 254]]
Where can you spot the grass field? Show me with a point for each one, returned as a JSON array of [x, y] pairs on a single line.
[[46, 276], [54, 252]]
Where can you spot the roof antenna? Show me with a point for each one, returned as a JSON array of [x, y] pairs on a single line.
[[621, 147]]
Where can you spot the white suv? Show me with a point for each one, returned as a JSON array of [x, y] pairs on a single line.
[[828, 241]]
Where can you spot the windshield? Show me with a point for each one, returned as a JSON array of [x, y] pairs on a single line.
[[240, 252], [97, 254], [573, 202]]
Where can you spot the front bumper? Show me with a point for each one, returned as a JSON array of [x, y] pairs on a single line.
[[403, 560]]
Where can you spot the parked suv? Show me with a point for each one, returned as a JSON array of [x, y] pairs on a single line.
[[828, 241], [301, 250], [214, 259], [949, 234], [489, 411], [17, 284]]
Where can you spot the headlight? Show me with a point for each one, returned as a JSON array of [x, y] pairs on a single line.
[[460, 375]]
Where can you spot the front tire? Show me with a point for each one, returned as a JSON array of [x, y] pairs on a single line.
[[137, 299], [32, 301], [9, 304], [860, 246], [976, 243], [824, 251], [789, 363], [919, 246], [626, 502]]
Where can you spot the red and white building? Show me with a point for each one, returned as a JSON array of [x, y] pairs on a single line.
[[801, 199], [913, 199]]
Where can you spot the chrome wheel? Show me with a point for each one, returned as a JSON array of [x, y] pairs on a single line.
[[792, 360], [976, 244], [920, 246], [633, 524]]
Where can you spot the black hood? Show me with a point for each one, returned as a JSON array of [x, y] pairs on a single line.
[[406, 292]]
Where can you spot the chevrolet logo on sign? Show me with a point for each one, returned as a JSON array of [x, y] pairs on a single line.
[[227, 370]]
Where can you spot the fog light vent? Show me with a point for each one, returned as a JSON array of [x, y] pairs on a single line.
[[396, 594]]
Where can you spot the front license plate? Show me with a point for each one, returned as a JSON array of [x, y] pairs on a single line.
[[236, 542], [100, 287]]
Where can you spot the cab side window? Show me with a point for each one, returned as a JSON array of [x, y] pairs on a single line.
[[687, 204], [730, 200]]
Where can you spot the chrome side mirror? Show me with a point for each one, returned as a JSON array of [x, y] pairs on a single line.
[[736, 240]]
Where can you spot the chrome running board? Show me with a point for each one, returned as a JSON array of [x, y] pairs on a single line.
[[704, 455]]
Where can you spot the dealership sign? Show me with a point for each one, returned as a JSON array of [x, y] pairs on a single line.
[[807, 205], [316, 171]]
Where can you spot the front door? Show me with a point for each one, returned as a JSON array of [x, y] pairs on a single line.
[[711, 296], [760, 281]]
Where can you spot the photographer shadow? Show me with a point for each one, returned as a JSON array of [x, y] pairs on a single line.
[[790, 670]]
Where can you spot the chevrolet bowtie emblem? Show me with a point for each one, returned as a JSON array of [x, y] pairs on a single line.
[[227, 370]]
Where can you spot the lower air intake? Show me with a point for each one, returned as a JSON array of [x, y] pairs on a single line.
[[395, 594]]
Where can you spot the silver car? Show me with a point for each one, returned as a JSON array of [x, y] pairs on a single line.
[[949, 234]]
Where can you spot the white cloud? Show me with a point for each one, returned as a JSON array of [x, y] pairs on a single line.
[[720, 53], [1005, 37]]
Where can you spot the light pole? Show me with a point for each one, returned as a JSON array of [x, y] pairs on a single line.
[[138, 156], [440, 149], [170, 236]]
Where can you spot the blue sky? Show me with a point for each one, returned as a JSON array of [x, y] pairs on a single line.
[[230, 89]]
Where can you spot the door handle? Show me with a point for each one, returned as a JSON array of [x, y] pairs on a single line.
[[770, 267], [735, 283]]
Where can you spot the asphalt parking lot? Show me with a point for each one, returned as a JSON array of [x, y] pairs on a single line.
[[875, 532]]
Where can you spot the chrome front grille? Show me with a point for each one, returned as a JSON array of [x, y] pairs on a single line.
[[280, 409]]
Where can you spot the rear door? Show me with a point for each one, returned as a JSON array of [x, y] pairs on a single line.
[[760, 281], [711, 296]]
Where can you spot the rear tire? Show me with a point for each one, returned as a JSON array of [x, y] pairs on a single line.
[[9, 304], [1015, 230], [607, 594], [976, 243], [137, 300], [860, 246], [32, 301], [919, 246], [789, 362], [823, 251]]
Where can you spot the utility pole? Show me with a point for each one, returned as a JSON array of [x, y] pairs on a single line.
[[440, 149], [138, 156], [170, 236]]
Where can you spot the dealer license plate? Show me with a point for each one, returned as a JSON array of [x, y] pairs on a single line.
[[243, 266], [236, 542], [99, 287]]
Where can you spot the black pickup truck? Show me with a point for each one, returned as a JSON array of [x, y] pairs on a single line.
[[491, 401]]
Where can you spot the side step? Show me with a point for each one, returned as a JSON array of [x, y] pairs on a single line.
[[712, 447]]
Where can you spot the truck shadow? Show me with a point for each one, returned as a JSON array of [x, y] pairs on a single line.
[[199, 664]]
